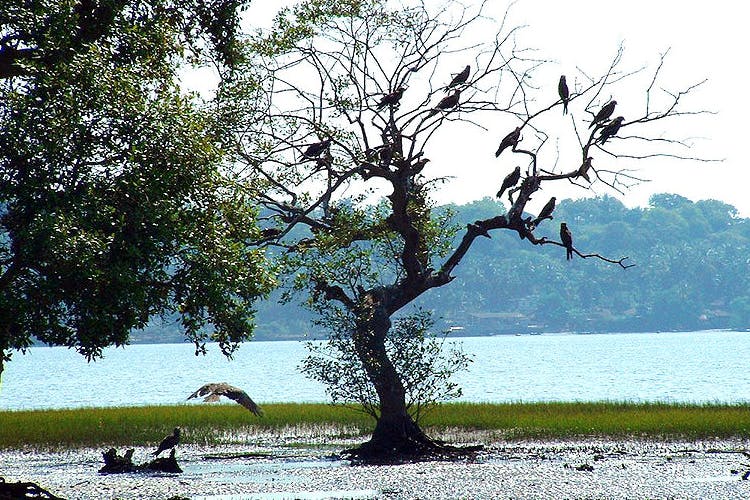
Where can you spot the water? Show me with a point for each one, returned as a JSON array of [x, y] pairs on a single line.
[[695, 367]]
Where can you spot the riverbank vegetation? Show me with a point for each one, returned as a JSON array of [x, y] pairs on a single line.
[[220, 424]]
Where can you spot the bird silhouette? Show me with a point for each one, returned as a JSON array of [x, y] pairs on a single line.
[[510, 180], [562, 89], [546, 212], [460, 78], [213, 391], [169, 442], [314, 150], [447, 102], [509, 140], [610, 130], [583, 170], [604, 113], [391, 99], [567, 239]]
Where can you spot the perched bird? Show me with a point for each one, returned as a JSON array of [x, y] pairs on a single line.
[[169, 442], [604, 113], [447, 102], [567, 239], [460, 78], [546, 212], [509, 140], [314, 150], [583, 170], [391, 99], [214, 391], [510, 180], [562, 89], [610, 130]]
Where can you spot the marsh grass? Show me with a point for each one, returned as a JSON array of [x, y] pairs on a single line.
[[230, 423]]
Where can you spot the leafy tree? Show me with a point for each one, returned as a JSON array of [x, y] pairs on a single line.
[[355, 95], [115, 206]]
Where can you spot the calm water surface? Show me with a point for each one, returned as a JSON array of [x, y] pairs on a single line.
[[710, 366]]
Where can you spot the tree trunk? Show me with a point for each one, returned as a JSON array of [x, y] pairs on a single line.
[[396, 436]]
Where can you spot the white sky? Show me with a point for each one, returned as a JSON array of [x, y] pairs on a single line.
[[706, 40]]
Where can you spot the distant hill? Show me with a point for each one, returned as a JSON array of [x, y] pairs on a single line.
[[692, 272]]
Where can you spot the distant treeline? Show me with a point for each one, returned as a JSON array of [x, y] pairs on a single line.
[[692, 271]]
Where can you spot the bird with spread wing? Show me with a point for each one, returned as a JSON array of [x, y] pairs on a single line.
[[213, 392]]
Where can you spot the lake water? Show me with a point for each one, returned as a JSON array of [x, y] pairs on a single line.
[[708, 366]]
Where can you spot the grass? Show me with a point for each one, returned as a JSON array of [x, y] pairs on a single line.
[[213, 424]]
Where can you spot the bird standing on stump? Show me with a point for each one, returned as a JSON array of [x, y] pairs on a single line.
[[460, 78], [169, 441], [604, 113], [510, 180], [562, 89], [509, 140], [567, 239]]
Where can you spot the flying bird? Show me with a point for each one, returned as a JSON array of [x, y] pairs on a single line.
[[610, 130], [447, 102], [546, 212], [562, 89], [460, 78], [509, 140], [391, 99], [567, 239], [583, 170], [169, 442], [510, 180], [214, 391], [314, 150], [604, 113]]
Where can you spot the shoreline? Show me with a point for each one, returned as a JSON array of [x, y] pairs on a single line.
[[556, 468]]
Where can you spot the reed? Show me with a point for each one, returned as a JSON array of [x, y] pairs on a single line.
[[227, 423]]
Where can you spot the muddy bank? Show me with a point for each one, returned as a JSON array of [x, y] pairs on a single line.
[[276, 469]]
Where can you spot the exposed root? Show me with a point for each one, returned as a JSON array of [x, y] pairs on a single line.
[[408, 451]]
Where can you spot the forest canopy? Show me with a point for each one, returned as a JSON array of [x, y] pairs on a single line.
[[692, 271]]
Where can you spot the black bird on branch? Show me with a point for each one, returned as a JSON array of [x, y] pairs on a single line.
[[562, 89], [446, 103], [604, 113], [546, 212], [583, 170], [314, 150], [567, 239], [610, 130], [169, 442], [215, 390], [510, 180], [509, 140], [391, 99], [459, 78]]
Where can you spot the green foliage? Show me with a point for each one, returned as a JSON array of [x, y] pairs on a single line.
[[421, 358], [114, 205]]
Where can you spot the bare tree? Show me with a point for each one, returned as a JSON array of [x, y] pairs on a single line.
[[338, 157]]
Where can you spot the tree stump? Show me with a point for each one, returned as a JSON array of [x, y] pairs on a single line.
[[116, 464]]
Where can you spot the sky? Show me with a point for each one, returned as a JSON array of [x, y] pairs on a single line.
[[706, 40]]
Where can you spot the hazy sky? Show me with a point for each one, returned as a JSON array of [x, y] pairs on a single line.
[[706, 40]]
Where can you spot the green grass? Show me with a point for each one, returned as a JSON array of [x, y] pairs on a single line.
[[211, 424]]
